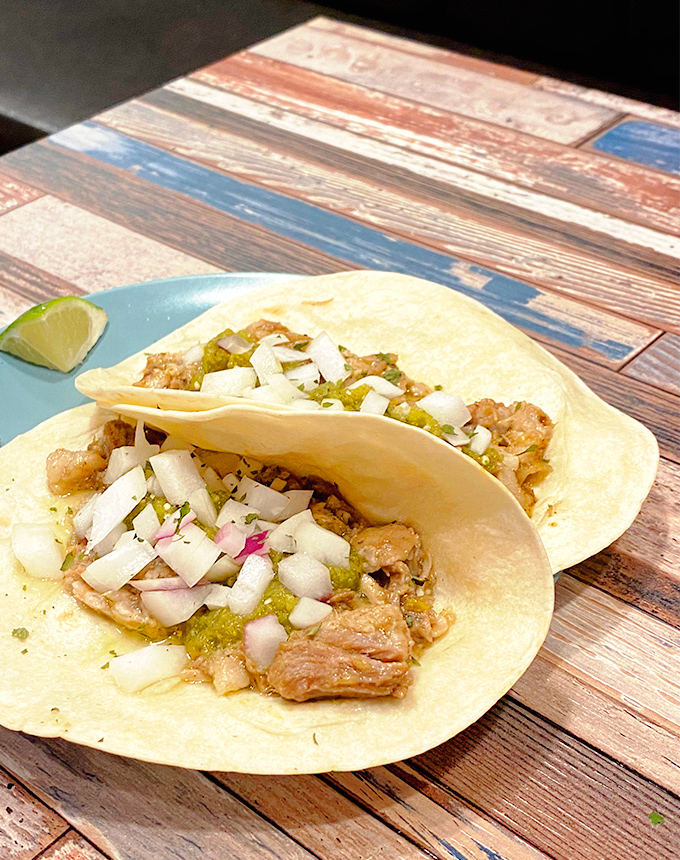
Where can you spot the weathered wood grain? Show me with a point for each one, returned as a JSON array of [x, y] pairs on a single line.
[[337, 191], [26, 825], [352, 54], [647, 143], [452, 213], [656, 409], [610, 100], [319, 818], [136, 811], [72, 846], [441, 823], [569, 800], [658, 364], [13, 194], [607, 185], [177, 221], [42, 234], [23, 285]]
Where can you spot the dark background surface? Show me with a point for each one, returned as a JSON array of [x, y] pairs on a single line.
[[64, 60]]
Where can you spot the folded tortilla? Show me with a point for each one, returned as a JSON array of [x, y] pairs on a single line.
[[603, 461], [491, 566]]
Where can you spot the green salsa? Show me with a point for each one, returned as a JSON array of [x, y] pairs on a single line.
[[350, 398], [343, 577], [213, 629], [490, 460], [215, 358], [415, 416]]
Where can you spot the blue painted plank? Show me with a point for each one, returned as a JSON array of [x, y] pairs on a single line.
[[645, 143], [525, 306]]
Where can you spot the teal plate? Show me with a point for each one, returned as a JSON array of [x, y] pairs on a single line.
[[139, 314]]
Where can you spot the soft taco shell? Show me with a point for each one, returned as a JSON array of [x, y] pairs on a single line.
[[492, 570], [604, 462]]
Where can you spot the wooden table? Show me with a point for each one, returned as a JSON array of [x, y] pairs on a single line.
[[328, 148]]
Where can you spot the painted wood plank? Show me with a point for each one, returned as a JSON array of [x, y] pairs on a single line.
[[27, 826], [23, 285], [132, 810], [606, 270], [567, 799], [616, 102], [439, 822], [642, 567], [646, 143], [319, 818], [656, 409], [600, 720], [13, 193], [658, 364], [542, 314], [343, 53], [175, 220], [72, 846], [59, 238], [608, 185]]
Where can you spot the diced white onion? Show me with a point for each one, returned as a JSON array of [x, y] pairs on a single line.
[[146, 523], [282, 538], [153, 486], [298, 501], [171, 523], [236, 512], [233, 382], [113, 570], [194, 354], [480, 439], [109, 542], [445, 408], [231, 539], [143, 448], [116, 502], [261, 498], [223, 569], [211, 478], [178, 475], [254, 577], [306, 375], [82, 519], [325, 546], [305, 576], [276, 338], [458, 437], [287, 353], [305, 405], [175, 443], [36, 548], [265, 363], [285, 388], [121, 460], [332, 404], [328, 358], [261, 640], [267, 394], [380, 384], [374, 403], [217, 597], [190, 553], [176, 605], [160, 583], [201, 502], [308, 611], [230, 482], [139, 669], [235, 344]]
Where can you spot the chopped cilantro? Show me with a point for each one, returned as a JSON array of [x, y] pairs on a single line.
[[656, 818], [438, 387], [20, 632], [520, 403], [68, 561], [384, 356], [250, 518], [392, 375], [300, 345], [105, 666], [447, 428]]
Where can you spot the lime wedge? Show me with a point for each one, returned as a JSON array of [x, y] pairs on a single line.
[[57, 334]]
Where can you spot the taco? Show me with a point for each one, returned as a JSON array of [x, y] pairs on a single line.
[[428, 357], [408, 513]]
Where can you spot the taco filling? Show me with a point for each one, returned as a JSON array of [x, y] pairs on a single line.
[[242, 574], [268, 362]]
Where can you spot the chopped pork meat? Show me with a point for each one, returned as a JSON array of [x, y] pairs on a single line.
[[73, 471], [520, 432], [359, 653], [167, 370]]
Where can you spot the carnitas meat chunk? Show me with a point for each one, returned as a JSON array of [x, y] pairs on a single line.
[[361, 653], [73, 471]]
